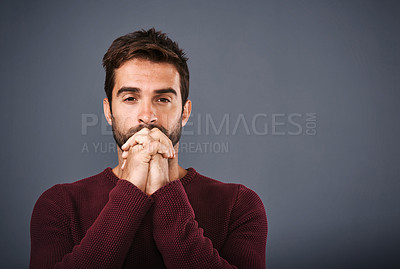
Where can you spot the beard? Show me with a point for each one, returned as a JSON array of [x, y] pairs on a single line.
[[120, 137]]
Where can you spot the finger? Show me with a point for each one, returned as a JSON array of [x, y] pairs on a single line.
[[136, 148], [158, 135], [125, 154], [123, 164], [132, 141], [137, 139], [157, 147]]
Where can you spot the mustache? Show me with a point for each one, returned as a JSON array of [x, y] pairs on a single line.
[[136, 129]]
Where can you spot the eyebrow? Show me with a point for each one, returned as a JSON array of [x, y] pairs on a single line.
[[127, 89], [168, 90], [137, 90]]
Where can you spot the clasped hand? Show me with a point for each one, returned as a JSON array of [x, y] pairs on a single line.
[[145, 159]]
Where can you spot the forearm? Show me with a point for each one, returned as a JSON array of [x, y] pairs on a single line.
[[183, 245], [105, 243], [177, 235]]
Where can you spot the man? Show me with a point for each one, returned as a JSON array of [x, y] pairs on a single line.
[[148, 212]]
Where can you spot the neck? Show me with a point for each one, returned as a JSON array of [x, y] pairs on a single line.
[[175, 170]]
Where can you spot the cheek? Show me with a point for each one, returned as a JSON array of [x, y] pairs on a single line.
[[122, 122], [169, 121], [124, 116]]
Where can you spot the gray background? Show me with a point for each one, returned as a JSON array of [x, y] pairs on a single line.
[[332, 198]]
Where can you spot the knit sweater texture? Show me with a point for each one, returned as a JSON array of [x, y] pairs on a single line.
[[106, 222]]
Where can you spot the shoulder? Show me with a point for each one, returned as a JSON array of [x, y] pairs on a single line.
[[87, 188], [237, 194], [103, 181], [246, 207], [210, 187]]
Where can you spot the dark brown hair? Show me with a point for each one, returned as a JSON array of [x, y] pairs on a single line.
[[151, 45]]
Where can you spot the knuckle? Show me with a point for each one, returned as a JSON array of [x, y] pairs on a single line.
[[145, 130], [138, 136], [155, 144]]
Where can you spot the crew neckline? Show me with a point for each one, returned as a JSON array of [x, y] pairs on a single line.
[[191, 173]]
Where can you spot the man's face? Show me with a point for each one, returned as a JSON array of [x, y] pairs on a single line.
[[146, 94]]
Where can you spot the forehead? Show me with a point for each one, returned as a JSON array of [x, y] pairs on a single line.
[[146, 75]]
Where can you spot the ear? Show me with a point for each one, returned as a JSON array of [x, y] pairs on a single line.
[[187, 109], [107, 110]]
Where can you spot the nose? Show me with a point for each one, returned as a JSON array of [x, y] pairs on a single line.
[[147, 114]]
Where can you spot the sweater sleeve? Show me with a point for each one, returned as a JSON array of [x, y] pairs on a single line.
[[247, 236], [183, 245], [105, 243]]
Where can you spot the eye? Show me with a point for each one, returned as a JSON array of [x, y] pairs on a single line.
[[163, 100], [129, 99]]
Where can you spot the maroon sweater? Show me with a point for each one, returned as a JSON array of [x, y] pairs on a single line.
[[105, 222]]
